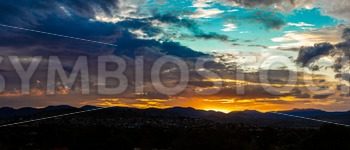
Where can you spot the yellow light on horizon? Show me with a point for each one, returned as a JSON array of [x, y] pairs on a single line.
[[226, 111]]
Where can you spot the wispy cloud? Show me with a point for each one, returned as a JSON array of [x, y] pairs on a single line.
[[229, 27], [297, 39], [206, 13], [300, 24]]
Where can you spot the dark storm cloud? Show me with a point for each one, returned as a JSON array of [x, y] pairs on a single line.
[[48, 16], [322, 96], [258, 45], [87, 7], [307, 54], [23, 42], [267, 18], [337, 8], [270, 20], [209, 36], [192, 26], [346, 34], [131, 46], [30, 12], [212, 35], [284, 5], [256, 3], [340, 52]]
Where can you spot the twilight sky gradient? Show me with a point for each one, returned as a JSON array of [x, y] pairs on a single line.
[[313, 34]]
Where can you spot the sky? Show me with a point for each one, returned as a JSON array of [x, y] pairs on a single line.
[[249, 37]]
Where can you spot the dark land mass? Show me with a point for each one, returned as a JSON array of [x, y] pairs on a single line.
[[173, 128]]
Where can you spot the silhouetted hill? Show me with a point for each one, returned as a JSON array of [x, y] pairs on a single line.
[[305, 112], [249, 117], [168, 129]]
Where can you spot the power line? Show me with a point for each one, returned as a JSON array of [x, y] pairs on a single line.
[[91, 110], [58, 35], [52, 117], [311, 119]]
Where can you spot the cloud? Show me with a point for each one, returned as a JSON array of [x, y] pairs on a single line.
[[300, 24], [78, 24], [17, 12], [209, 36], [307, 54], [206, 13], [337, 8], [193, 27], [270, 20], [284, 5], [280, 5], [337, 52], [130, 46], [129, 29], [201, 3], [229, 27], [81, 22], [346, 34], [293, 40], [125, 9]]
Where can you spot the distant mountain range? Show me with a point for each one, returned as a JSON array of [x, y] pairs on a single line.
[[248, 117]]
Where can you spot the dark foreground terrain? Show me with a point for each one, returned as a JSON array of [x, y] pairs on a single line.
[[176, 128]]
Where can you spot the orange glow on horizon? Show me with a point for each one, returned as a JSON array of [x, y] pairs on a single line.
[[220, 105]]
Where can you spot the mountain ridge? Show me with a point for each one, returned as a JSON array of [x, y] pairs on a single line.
[[188, 108], [249, 117]]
